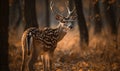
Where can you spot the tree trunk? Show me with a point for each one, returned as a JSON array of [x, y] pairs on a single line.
[[15, 14], [95, 17], [47, 17], [19, 19], [4, 21], [30, 13], [84, 37], [118, 23], [108, 13]]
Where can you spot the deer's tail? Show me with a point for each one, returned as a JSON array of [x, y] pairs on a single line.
[[27, 43]]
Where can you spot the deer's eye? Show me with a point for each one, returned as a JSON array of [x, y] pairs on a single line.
[[63, 21]]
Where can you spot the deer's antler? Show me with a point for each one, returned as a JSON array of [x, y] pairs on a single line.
[[52, 9], [68, 9]]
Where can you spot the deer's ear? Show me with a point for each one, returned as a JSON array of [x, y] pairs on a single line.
[[58, 17]]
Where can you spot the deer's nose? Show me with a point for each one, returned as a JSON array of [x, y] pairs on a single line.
[[70, 26]]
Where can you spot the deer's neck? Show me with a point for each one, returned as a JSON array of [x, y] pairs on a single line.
[[62, 32]]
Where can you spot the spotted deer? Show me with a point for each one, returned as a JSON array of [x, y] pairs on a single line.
[[42, 42]]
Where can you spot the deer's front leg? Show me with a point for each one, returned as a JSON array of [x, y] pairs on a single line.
[[47, 61]]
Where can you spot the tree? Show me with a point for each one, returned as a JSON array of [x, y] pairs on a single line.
[[95, 17], [47, 17], [18, 5], [84, 37], [15, 13], [4, 21], [30, 13], [108, 13], [118, 22]]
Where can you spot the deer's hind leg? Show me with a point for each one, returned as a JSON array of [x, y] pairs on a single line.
[[32, 62]]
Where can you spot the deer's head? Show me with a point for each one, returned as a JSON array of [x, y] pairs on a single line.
[[65, 22]]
